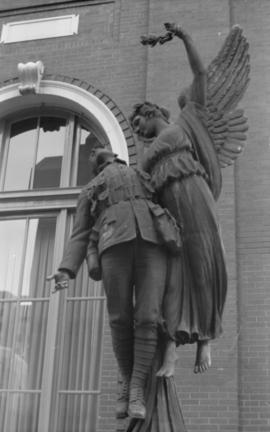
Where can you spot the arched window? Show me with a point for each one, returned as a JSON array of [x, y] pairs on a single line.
[[46, 151], [50, 346]]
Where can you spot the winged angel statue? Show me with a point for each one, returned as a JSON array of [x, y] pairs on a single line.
[[184, 161]]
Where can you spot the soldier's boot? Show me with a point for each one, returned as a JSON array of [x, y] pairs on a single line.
[[144, 351], [122, 398], [122, 341]]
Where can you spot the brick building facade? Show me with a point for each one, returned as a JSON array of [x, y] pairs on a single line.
[[105, 59]]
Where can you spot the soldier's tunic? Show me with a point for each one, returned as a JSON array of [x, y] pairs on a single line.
[[115, 211]]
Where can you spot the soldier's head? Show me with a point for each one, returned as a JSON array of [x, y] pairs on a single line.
[[98, 153], [147, 119], [93, 146]]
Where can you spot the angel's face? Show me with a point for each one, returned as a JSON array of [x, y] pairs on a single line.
[[144, 127]]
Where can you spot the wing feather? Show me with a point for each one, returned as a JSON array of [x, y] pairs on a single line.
[[227, 80]]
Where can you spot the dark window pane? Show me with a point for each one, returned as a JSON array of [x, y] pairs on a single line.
[[50, 152], [21, 154]]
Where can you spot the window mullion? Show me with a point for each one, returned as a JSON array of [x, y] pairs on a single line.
[[48, 394], [5, 140], [66, 162], [75, 153], [35, 155], [61, 328]]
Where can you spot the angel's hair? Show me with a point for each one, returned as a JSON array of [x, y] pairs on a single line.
[[149, 110]]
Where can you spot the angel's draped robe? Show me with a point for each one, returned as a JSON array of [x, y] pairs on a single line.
[[197, 278]]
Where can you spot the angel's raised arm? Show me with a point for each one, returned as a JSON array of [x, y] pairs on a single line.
[[198, 88]]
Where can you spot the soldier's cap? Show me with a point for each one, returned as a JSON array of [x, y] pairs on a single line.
[[92, 142]]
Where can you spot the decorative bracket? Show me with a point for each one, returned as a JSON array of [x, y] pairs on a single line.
[[30, 75]]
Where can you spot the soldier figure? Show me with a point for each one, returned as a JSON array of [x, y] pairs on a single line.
[[115, 231]]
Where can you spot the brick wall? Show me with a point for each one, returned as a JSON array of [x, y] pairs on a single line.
[[253, 233], [16, 4], [234, 395]]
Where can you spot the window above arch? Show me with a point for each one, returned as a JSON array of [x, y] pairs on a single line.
[[46, 151]]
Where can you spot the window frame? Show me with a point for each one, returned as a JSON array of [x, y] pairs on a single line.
[[71, 151]]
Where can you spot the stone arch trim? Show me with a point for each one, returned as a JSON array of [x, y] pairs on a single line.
[[107, 100]]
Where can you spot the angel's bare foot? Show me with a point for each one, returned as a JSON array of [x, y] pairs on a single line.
[[168, 367], [203, 356]]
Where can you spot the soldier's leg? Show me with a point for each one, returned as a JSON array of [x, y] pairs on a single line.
[[117, 276], [150, 276]]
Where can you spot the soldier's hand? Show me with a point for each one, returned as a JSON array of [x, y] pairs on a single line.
[[95, 274], [94, 267], [61, 279]]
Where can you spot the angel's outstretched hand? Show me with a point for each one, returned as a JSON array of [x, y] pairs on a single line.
[[61, 279], [175, 29]]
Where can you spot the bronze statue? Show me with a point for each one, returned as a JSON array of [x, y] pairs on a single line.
[[115, 230], [184, 161]]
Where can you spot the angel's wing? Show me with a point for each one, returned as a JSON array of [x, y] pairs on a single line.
[[227, 80], [227, 131]]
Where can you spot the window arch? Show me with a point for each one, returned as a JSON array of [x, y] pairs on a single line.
[[79, 97]]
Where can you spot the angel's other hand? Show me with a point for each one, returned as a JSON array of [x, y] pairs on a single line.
[[175, 29]]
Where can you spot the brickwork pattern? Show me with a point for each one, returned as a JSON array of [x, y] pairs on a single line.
[[6, 4], [253, 233]]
